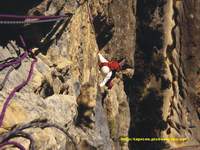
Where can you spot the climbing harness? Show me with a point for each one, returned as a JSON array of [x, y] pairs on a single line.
[[113, 65]]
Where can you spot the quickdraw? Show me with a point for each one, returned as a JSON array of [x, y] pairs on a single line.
[[15, 19], [17, 88]]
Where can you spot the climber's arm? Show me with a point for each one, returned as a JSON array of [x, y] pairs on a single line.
[[101, 58], [106, 79]]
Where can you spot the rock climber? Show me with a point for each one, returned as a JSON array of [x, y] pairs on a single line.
[[109, 68]]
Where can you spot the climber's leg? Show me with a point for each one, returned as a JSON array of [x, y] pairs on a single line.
[[102, 59], [106, 79], [122, 63], [109, 83]]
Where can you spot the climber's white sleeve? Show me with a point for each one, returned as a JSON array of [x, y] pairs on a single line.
[[102, 59], [108, 76]]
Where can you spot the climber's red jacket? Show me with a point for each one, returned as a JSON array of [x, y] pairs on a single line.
[[113, 65]]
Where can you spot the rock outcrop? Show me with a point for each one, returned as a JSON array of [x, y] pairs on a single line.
[[67, 62], [63, 107], [165, 85]]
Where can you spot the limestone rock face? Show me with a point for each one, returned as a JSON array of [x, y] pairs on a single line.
[[122, 45], [185, 60], [118, 114], [67, 60], [63, 107], [165, 88]]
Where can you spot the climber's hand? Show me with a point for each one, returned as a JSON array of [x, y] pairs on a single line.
[[101, 84]]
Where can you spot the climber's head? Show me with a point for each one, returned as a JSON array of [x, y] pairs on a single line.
[[105, 69]]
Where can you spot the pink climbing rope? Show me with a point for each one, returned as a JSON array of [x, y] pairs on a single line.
[[18, 145], [17, 88]]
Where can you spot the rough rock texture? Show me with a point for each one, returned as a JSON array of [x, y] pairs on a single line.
[[118, 40], [185, 70], [117, 108], [165, 87], [122, 45], [159, 38], [67, 60]]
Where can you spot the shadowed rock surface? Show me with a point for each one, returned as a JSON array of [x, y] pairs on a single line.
[[158, 38]]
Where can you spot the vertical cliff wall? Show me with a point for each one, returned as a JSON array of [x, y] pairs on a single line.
[[63, 107], [66, 52], [116, 41], [184, 67], [165, 85]]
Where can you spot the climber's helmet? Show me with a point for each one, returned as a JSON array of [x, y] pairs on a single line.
[[105, 69]]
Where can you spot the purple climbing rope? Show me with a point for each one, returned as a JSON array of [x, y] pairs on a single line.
[[15, 19], [17, 88], [4, 16], [15, 144], [20, 58], [14, 62]]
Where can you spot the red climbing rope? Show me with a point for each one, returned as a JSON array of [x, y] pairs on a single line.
[[20, 86]]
